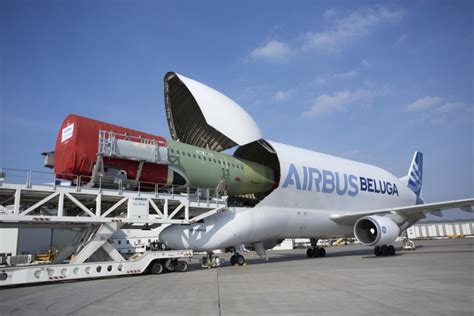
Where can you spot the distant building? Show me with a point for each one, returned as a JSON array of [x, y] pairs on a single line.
[[438, 229]]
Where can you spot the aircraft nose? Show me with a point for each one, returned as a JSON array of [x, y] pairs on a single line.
[[171, 237]]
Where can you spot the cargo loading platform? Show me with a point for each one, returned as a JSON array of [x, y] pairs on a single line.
[[39, 200]]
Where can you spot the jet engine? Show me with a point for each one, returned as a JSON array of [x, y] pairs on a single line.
[[376, 230]]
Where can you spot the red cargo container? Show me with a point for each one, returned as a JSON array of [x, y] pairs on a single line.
[[77, 145]]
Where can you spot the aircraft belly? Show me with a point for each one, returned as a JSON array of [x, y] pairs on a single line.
[[282, 222], [241, 225], [305, 223]]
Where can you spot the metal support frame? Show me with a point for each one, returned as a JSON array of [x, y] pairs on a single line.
[[49, 204], [99, 239]]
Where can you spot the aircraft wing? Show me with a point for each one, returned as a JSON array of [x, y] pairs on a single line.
[[422, 209]]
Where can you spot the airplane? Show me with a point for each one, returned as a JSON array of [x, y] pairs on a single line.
[[274, 191], [317, 196]]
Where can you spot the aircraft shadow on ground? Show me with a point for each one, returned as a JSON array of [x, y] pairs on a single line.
[[363, 253], [287, 257]]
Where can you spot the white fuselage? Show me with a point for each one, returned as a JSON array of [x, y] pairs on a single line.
[[313, 187]]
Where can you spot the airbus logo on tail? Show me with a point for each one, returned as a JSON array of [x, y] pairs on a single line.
[[327, 181]]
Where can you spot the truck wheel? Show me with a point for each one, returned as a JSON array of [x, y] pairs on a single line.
[[171, 266], [156, 267], [181, 266]]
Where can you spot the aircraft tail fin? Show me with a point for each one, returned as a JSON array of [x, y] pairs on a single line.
[[414, 178]]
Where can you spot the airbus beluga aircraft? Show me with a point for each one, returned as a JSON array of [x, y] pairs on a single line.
[[316, 195], [274, 191]]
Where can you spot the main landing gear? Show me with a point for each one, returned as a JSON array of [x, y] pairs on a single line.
[[237, 259], [315, 251], [385, 250]]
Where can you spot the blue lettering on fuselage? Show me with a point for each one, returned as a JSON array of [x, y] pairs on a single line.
[[327, 181]]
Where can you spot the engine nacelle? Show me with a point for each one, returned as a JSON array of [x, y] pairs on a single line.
[[376, 230]]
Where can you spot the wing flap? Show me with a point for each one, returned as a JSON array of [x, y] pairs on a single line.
[[434, 208]]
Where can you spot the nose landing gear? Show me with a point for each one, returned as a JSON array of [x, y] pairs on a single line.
[[237, 259]]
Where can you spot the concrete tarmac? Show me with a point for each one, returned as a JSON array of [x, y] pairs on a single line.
[[436, 279]]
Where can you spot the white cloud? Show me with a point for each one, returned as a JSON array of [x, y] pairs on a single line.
[[320, 80], [330, 13], [425, 103], [353, 26], [341, 31], [446, 112], [450, 107], [272, 51], [340, 101], [437, 111], [281, 96]]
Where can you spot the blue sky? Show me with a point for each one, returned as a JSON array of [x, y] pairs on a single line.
[[363, 80]]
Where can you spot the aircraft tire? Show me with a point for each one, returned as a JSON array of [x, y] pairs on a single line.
[[240, 260], [156, 268], [233, 260], [384, 250], [316, 252], [309, 252], [322, 252], [377, 251], [391, 250]]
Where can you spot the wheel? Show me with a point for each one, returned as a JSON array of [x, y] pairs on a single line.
[[233, 260], [170, 266], [309, 252], [181, 266], [316, 252], [240, 260], [377, 251], [391, 250], [384, 250], [156, 267], [322, 252]]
